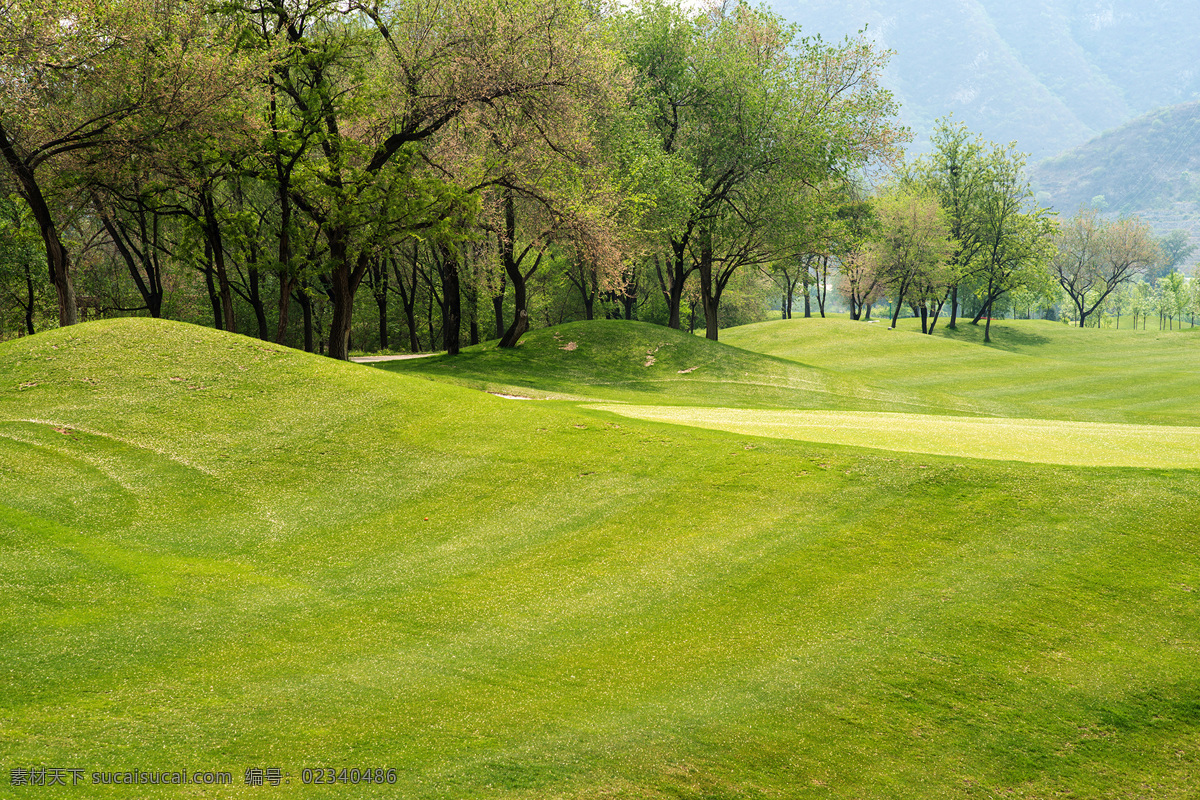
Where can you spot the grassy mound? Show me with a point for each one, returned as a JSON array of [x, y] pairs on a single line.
[[218, 554], [1033, 369], [637, 362]]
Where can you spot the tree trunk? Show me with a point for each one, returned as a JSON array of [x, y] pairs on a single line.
[[256, 303], [672, 284], [341, 298], [381, 303], [953, 308], [212, 232], [823, 284], [498, 311], [287, 279], [286, 284], [937, 312], [708, 296], [408, 299], [377, 274], [58, 260], [899, 303], [150, 287], [210, 283], [518, 279], [305, 301], [452, 301], [343, 285], [29, 297], [520, 323]]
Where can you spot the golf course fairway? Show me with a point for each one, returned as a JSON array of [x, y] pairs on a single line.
[[1094, 444]]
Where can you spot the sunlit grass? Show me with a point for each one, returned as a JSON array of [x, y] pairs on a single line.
[[1094, 444], [1032, 369]]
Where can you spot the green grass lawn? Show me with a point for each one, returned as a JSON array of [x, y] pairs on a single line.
[[216, 554], [637, 362], [1033, 368], [1097, 444]]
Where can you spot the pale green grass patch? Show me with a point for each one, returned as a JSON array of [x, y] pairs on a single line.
[[1084, 444]]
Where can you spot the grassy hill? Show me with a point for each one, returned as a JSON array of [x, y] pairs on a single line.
[[638, 362], [216, 553], [1034, 369]]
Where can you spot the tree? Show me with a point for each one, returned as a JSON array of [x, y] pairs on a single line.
[[1094, 257], [82, 81], [754, 112], [1175, 297], [993, 216], [957, 171], [371, 86], [910, 246], [860, 282], [1175, 248], [1013, 233]]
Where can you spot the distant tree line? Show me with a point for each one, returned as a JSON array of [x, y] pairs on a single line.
[[961, 228]]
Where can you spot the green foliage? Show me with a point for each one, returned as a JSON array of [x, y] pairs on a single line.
[[758, 115], [1002, 234], [909, 247], [26, 298], [1175, 248]]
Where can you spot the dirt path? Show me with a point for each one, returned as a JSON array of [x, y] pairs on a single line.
[[375, 359]]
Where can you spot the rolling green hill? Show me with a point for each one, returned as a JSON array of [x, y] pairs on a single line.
[[1035, 369], [217, 554], [638, 362]]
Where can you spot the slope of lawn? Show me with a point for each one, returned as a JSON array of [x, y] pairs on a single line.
[[1032, 368], [638, 362], [219, 554]]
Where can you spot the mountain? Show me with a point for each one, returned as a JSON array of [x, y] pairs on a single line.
[[1149, 167], [1149, 164], [1048, 74]]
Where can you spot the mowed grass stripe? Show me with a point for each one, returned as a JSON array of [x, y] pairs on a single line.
[[1085, 444], [1031, 369]]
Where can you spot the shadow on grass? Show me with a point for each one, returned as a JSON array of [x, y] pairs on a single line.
[[1004, 337]]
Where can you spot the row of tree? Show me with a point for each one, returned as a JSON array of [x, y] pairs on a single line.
[[965, 219], [277, 156], [478, 164]]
